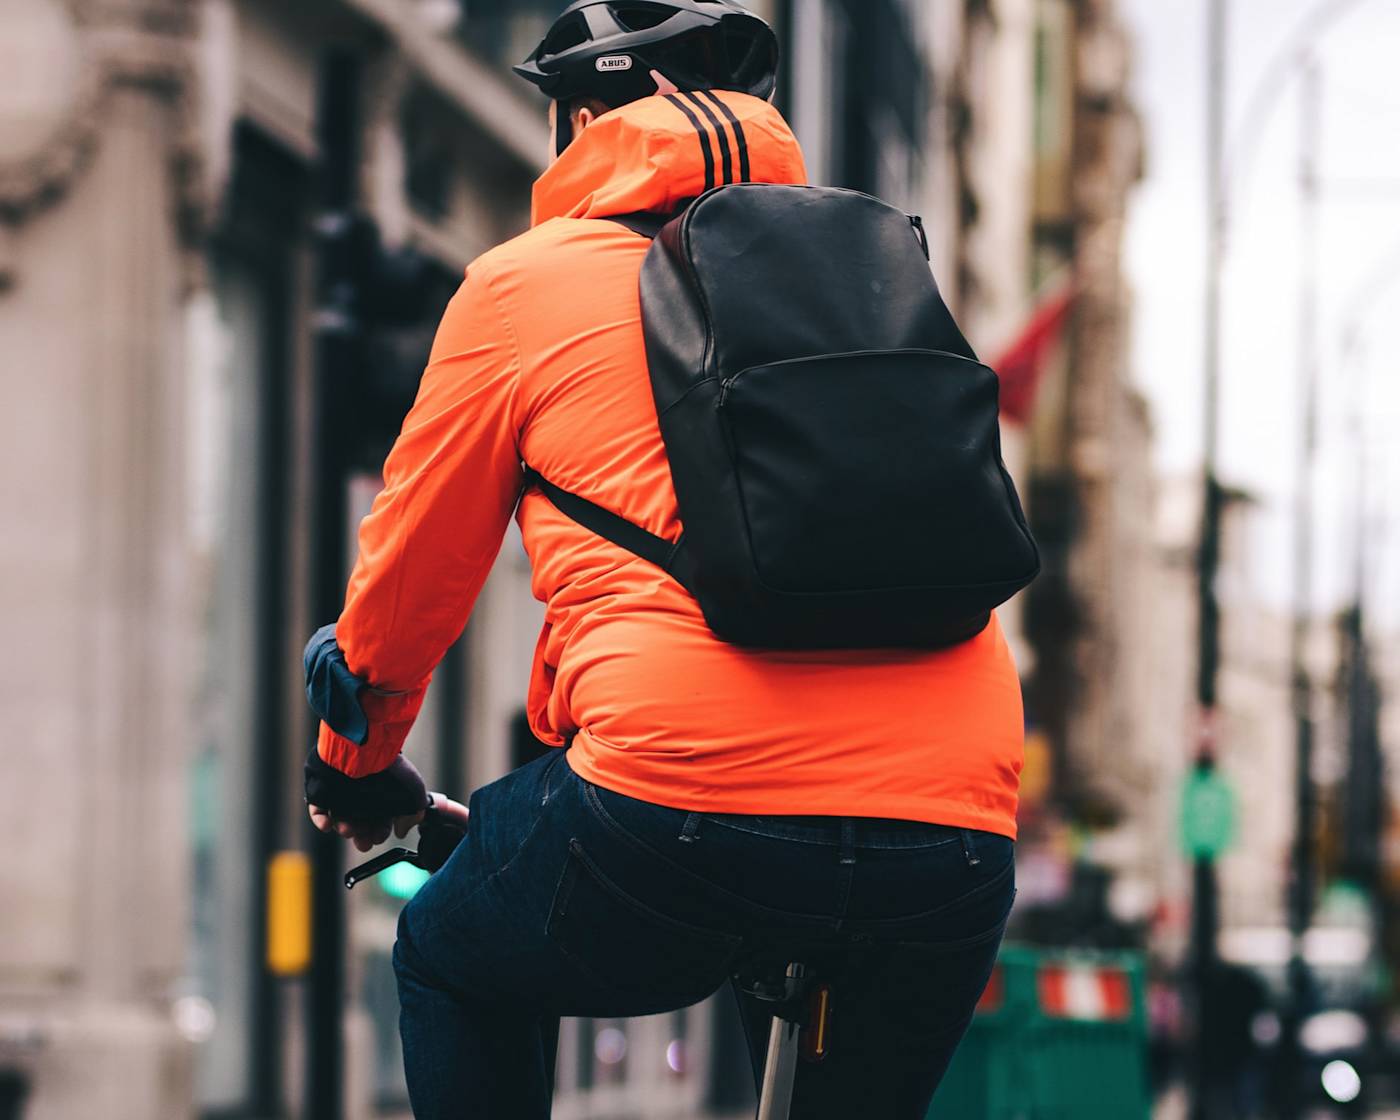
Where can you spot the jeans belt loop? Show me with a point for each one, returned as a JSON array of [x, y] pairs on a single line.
[[848, 840], [969, 847], [690, 831]]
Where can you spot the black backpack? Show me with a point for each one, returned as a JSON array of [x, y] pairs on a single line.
[[832, 438]]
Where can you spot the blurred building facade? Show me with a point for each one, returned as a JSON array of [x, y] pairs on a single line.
[[96, 206], [178, 179], [173, 178], [1106, 628]]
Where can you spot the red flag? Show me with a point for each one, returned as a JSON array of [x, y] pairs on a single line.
[[1023, 361]]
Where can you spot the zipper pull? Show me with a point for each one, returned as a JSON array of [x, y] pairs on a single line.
[[918, 223], [723, 391]]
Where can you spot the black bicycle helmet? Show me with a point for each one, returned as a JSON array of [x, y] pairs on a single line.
[[607, 49]]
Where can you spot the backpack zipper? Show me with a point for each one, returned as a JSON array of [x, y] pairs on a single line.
[[918, 223]]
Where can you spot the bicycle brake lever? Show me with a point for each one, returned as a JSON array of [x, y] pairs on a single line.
[[437, 840], [373, 867]]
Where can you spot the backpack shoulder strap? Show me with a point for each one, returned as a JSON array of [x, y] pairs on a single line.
[[645, 224], [670, 556]]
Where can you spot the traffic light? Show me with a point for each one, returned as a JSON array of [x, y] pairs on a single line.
[[385, 305]]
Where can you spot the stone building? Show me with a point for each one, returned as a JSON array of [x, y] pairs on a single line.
[[170, 178], [202, 199], [98, 205], [1090, 440], [1096, 657]]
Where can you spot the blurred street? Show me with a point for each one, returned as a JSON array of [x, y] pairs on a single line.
[[228, 232]]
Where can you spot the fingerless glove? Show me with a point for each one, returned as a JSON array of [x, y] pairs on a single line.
[[396, 792]]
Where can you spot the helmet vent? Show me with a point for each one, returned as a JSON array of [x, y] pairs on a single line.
[[565, 35], [640, 17]]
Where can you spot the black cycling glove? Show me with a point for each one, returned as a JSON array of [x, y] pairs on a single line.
[[396, 792]]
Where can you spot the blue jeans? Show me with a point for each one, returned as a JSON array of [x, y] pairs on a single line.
[[569, 899]]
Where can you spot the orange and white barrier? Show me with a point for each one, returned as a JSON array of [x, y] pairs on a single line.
[[1084, 992]]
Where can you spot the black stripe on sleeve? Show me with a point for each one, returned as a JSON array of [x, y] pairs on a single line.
[[705, 148], [741, 140], [719, 135]]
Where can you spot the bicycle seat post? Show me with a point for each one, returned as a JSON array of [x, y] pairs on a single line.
[[780, 1067]]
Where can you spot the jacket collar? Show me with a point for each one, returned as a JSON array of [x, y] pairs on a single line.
[[653, 154]]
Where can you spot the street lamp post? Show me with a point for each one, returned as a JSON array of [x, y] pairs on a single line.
[[1205, 884], [1364, 802], [1303, 870], [336, 343]]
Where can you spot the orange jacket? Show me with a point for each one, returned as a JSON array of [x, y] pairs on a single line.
[[540, 358]]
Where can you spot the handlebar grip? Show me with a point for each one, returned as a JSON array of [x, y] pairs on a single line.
[[437, 840]]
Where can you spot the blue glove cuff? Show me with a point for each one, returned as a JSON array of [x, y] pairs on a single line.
[[332, 689]]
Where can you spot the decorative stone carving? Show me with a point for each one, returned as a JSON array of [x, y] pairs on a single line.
[[48, 102], [61, 58]]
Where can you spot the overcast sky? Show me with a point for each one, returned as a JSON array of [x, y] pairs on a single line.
[[1360, 166]]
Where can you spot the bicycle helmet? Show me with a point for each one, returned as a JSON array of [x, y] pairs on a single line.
[[607, 49]]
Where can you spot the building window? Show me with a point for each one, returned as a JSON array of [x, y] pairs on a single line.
[[1054, 110]]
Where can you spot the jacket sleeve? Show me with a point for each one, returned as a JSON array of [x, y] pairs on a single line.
[[451, 483]]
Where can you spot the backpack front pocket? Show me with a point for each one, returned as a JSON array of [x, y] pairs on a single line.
[[873, 471]]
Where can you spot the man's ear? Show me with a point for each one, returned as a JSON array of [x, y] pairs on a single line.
[[585, 111]]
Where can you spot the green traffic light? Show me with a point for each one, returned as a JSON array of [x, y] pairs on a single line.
[[1208, 814], [402, 880]]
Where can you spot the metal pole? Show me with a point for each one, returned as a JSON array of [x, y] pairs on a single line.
[[1364, 798], [266, 1029], [780, 1065], [1217, 216], [451, 685], [1363, 793], [335, 358], [1303, 871], [1205, 884]]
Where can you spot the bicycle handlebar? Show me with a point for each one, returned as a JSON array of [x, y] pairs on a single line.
[[438, 838]]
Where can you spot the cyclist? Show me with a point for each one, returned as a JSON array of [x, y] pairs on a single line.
[[712, 801]]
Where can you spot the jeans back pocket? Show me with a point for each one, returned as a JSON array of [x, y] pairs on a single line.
[[644, 959]]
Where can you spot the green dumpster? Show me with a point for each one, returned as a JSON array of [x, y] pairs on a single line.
[[1059, 1035]]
